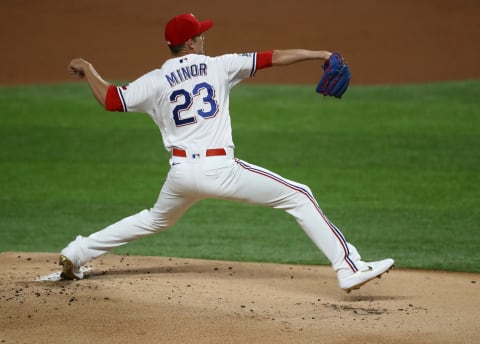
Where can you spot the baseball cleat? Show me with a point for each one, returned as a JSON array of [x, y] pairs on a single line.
[[69, 271], [367, 273]]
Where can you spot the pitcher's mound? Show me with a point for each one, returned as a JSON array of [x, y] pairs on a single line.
[[126, 299]]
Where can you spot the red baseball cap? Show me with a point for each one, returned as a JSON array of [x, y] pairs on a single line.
[[183, 27]]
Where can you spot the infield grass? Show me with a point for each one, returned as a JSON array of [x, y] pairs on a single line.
[[395, 167]]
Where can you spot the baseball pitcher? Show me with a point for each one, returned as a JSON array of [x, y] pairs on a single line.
[[188, 98]]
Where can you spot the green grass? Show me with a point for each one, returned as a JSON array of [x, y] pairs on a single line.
[[395, 167]]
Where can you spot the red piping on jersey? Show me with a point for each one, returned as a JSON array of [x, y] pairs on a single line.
[[112, 100], [264, 59]]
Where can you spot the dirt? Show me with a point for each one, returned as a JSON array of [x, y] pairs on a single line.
[[169, 300]]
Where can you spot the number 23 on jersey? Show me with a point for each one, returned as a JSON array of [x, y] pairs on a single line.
[[188, 107]]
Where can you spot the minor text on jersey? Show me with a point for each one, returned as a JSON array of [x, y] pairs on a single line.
[[186, 73]]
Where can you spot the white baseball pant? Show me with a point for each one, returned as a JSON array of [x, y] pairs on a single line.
[[196, 177]]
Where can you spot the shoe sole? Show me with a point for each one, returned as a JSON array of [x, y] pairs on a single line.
[[358, 286], [67, 269]]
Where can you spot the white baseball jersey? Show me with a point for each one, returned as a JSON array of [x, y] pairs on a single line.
[[188, 98]]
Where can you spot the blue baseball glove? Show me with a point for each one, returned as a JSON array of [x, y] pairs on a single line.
[[336, 77]]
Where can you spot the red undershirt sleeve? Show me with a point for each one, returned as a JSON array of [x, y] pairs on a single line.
[[264, 59], [112, 100]]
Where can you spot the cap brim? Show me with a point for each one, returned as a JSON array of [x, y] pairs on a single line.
[[205, 25]]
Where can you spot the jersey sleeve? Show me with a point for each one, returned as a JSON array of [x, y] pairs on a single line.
[[242, 66], [137, 96], [239, 66]]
